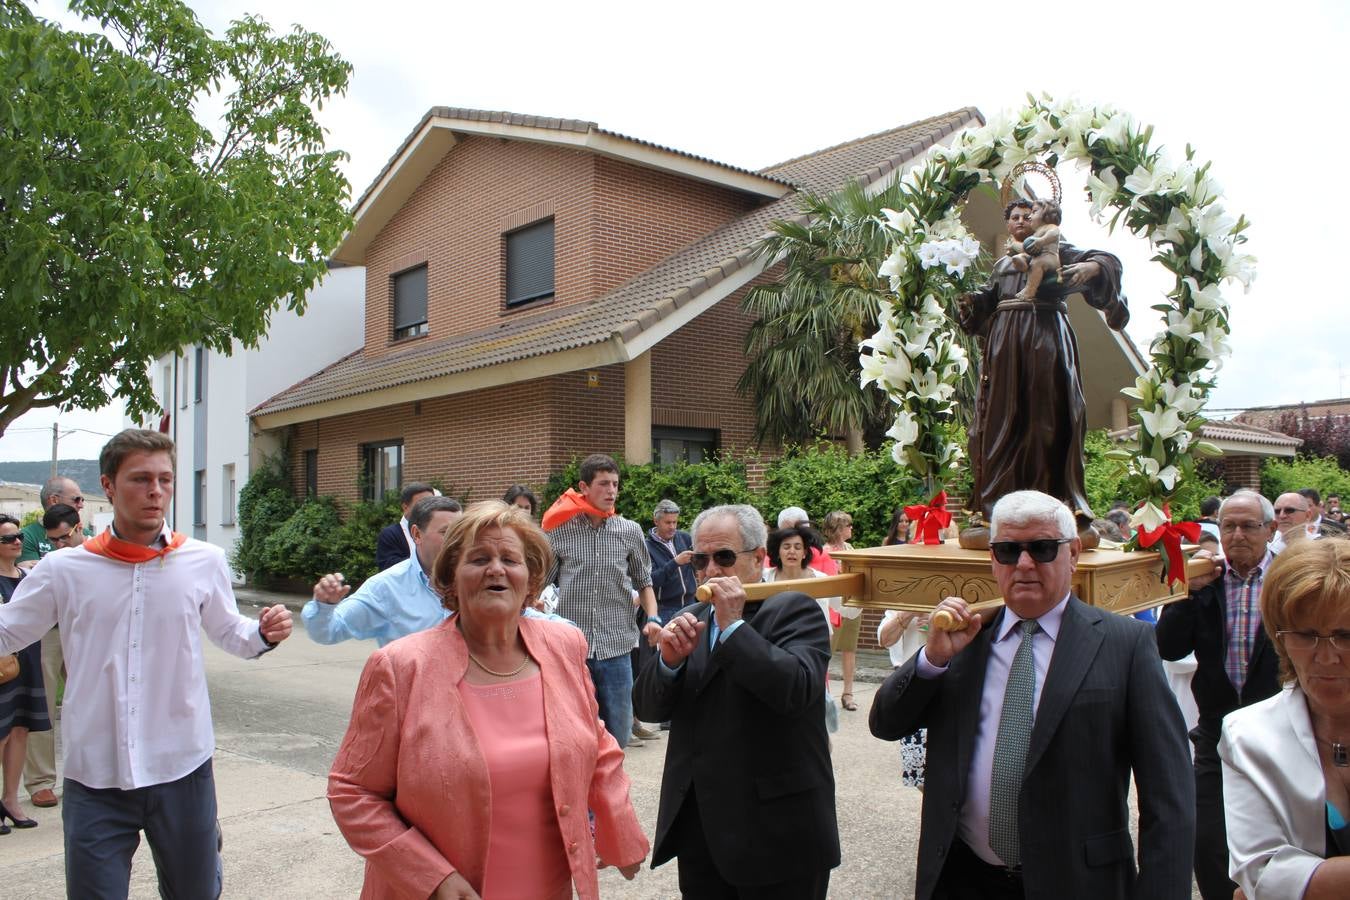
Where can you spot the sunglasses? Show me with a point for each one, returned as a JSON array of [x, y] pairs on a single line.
[[1288, 510], [10, 538], [723, 558], [1042, 551]]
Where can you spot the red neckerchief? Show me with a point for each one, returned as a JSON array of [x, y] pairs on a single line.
[[107, 544], [568, 506]]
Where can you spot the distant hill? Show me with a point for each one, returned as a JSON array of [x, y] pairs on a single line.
[[83, 471]]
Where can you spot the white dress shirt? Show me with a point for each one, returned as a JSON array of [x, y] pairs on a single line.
[[136, 710], [973, 824]]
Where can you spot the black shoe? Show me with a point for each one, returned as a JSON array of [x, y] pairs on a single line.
[[18, 823], [4, 829]]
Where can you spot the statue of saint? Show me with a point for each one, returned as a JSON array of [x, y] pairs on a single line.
[[1030, 417]]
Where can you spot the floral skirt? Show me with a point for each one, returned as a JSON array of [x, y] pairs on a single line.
[[914, 758]]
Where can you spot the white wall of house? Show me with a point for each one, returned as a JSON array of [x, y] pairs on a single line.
[[209, 419]]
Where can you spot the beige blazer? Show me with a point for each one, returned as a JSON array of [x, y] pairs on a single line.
[[1275, 797], [409, 787]]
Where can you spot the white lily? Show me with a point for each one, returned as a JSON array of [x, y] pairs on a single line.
[[896, 372], [884, 339], [931, 310], [1175, 229], [1115, 130], [1212, 221], [1013, 156], [1103, 187], [928, 386], [904, 431], [930, 254], [1148, 516], [871, 367], [1145, 387], [1161, 421], [1208, 297], [1240, 267], [1182, 397], [1183, 440], [1207, 189], [902, 221], [1144, 181], [895, 266], [1187, 326]]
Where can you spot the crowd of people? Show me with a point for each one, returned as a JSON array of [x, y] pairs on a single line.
[[522, 650]]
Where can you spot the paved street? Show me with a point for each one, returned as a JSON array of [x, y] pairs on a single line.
[[278, 724]]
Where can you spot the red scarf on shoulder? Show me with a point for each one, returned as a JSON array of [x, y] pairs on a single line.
[[106, 544], [568, 506]]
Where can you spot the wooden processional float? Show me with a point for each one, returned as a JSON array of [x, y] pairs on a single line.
[[916, 577]]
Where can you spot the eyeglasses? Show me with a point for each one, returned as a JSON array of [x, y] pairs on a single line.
[[74, 501], [723, 558], [61, 538], [10, 538], [1308, 640], [1248, 527], [1289, 510], [1042, 551]]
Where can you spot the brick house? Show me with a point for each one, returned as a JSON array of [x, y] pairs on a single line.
[[541, 288]]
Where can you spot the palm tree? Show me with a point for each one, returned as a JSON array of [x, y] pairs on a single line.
[[802, 350]]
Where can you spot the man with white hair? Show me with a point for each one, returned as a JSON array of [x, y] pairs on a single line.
[[1235, 663], [747, 796], [1043, 714]]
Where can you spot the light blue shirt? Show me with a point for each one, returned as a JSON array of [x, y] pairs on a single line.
[[391, 604]]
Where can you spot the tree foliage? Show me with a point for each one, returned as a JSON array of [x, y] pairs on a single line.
[[1327, 435], [802, 351], [130, 228], [1283, 476]]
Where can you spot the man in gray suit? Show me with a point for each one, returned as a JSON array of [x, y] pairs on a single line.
[[1035, 722]]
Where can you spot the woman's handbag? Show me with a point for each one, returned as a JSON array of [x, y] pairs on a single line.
[[9, 668]]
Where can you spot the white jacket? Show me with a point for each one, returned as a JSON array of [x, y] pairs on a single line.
[[1275, 797]]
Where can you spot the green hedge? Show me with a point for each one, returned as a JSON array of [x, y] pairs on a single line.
[[286, 539], [1323, 473]]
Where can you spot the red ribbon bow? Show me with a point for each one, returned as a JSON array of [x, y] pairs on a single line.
[[931, 518], [1171, 533]]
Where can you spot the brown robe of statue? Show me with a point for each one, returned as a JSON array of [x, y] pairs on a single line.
[[1030, 417]]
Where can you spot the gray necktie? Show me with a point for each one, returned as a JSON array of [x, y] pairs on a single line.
[[1010, 750]]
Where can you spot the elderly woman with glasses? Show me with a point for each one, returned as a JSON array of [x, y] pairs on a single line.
[[1286, 760], [475, 748]]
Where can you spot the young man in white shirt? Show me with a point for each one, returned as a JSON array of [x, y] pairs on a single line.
[[132, 604]]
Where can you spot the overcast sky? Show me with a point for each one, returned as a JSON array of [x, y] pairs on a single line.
[[1259, 88]]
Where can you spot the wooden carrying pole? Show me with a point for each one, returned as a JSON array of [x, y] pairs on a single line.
[[850, 585]]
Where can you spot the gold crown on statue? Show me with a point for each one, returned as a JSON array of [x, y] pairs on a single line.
[[1018, 185]]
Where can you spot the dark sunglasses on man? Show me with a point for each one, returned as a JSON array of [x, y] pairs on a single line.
[[724, 558], [1042, 551]]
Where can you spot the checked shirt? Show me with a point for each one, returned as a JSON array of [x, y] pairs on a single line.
[[597, 570]]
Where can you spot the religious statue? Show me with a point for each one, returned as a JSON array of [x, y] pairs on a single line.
[[1030, 417], [1038, 255]]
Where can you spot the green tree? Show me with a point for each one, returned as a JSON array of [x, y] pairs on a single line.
[[1282, 476], [128, 228], [802, 351]]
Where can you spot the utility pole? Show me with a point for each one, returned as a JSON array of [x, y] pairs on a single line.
[[54, 442]]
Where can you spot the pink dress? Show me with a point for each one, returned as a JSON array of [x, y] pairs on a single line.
[[526, 857]]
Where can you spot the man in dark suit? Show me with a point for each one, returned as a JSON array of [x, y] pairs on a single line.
[[1035, 722], [1235, 665], [395, 542], [747, 797]]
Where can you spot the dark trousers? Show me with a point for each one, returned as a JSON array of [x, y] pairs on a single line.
[[967, 877], [103, 828], [700, 878], [1211, 836]]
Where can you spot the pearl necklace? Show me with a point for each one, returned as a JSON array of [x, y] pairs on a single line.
[[516, 671]]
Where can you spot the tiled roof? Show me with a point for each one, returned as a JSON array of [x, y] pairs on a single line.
[[1227, 430], [633, 307], [500, 117]]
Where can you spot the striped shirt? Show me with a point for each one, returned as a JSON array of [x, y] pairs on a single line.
[[597, 570], [1242, 610]]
